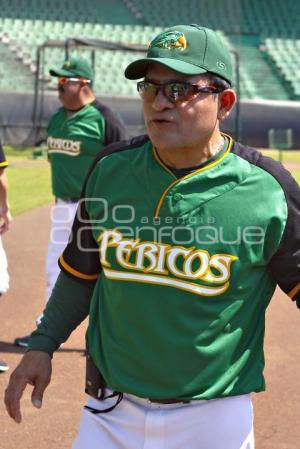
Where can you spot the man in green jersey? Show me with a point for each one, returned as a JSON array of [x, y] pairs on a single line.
[[77, 132], [175, 262]]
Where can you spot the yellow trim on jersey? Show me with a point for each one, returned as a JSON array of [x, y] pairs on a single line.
[[191, 287], [4, 164], [207, 167], [294, 291], [161, 163], [69, 269], [68, 153]]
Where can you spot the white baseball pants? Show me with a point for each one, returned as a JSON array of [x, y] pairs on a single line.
[[62, 217], [4, 277], [137, 423]]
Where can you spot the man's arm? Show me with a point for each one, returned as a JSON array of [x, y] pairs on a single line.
[[68, 306], [285, 263], [4, 207]]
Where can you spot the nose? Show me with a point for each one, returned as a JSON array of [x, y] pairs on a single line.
[[161, 102]]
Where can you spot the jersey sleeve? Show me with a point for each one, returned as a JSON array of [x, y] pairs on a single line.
[[285, 264], [115, 130], [67, 307], [3, 161]]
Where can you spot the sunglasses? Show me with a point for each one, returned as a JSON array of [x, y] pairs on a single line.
[[175, 91], [62, 80]]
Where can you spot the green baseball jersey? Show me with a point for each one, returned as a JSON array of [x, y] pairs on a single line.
[[74, 141], [184, 269]]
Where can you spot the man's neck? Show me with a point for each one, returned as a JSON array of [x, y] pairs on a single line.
[[190, 157], [81, 103]]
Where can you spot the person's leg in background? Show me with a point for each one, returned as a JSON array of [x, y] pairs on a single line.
[[62, 217], [4, 285]]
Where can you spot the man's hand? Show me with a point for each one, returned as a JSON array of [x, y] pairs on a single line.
[[5, 219], [34, 369]]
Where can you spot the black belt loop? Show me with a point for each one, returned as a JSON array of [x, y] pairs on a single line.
[[95, 386]]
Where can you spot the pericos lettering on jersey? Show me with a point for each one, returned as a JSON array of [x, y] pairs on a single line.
[[65, 146], [163, 264]]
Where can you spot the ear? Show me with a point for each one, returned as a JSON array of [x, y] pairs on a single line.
[[227, 100]]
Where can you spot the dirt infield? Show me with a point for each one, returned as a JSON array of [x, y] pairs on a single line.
[[277, 412]]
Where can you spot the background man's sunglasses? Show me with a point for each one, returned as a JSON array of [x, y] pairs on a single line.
[[174, 91], [64, 80]]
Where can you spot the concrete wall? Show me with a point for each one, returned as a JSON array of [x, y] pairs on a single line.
[[256, 118]]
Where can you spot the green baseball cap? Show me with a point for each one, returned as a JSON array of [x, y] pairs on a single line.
[[188, 49], [75, 67]]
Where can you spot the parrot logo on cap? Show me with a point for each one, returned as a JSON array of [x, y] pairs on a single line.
[[67, 65], [169, 40]]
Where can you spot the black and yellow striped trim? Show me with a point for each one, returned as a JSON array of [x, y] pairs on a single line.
[[4, 164], [294, 291], [78, 274], [161, 163], [207, 167]]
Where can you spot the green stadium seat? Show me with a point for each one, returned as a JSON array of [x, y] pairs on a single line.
[[284, 53], [274, 73]]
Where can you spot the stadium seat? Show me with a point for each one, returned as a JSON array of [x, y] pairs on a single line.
[[270, 73], [284, 53]]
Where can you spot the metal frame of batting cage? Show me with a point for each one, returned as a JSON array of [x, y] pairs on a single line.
[[94, 44]]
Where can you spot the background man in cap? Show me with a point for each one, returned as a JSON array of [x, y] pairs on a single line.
[[77, 132], [192, 238]]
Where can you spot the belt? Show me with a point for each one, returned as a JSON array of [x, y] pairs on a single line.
[[119, 399], [168, 401]]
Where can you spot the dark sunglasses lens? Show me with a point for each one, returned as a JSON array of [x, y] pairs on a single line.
[[146, 90], [173, 91], [177, 92]]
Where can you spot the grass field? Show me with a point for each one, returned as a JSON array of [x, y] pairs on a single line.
[[287, 156], [30, 185], [29, 180]]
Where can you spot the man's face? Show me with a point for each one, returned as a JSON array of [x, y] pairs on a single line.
[[68, 92], [182, 125]]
